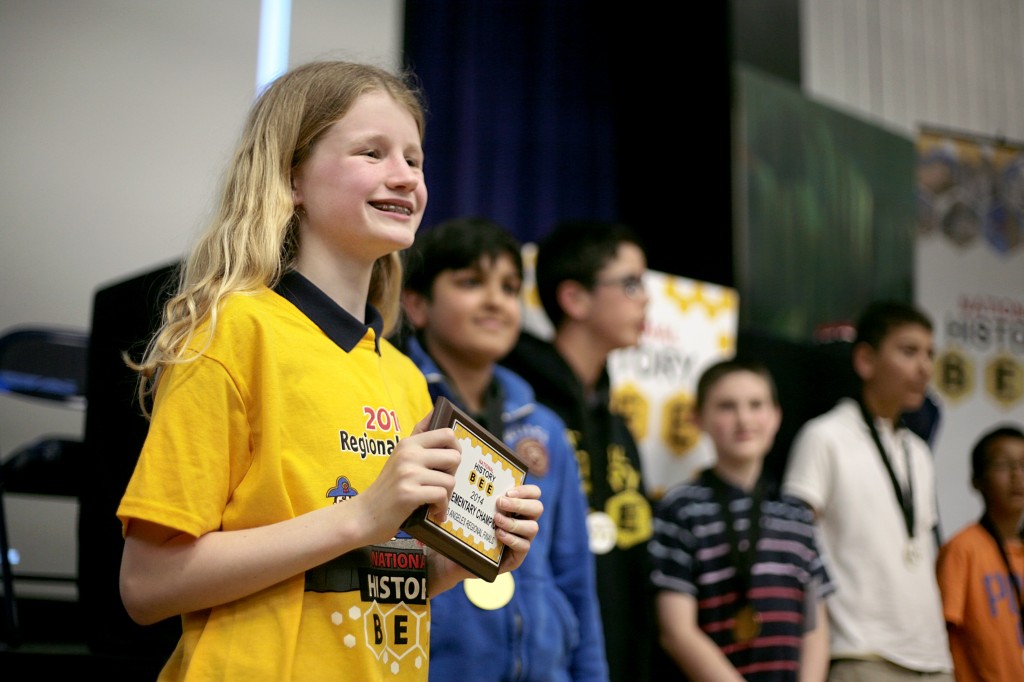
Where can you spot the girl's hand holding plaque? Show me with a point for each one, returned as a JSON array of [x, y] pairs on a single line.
[[489, 469]]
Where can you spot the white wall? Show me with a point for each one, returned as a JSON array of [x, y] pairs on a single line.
[[903, 64], [118, 116]]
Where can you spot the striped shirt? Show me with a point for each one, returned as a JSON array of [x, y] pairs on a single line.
[[691, 553]]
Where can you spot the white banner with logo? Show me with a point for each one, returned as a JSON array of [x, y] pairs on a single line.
[[970, 279]]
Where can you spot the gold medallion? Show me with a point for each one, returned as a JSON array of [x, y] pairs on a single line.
[[747, 625], [490, 595]]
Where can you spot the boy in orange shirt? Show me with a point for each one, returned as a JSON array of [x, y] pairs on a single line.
[[981, 568]]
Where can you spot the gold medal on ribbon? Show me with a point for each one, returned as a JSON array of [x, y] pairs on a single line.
[[490, 595], [747, 625]]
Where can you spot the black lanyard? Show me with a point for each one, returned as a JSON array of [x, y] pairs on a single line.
[[743, 561], [906, 500], [988, 525], [490, 417]]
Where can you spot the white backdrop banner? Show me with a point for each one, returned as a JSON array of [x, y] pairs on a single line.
[[970, 279]]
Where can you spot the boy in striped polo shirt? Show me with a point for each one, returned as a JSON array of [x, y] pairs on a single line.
[[739, 580]]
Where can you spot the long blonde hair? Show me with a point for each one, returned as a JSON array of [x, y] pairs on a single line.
[[253, 239]]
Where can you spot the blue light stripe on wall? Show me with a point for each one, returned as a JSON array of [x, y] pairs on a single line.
[[275, 31]]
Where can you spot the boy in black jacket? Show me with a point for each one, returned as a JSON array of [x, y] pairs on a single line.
[[590, 281]]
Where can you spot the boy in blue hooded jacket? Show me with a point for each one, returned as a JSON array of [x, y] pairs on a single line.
[[541, 621]]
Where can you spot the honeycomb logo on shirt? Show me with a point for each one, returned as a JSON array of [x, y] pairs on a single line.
[[633, 517], [396, 635], [628, 509], [388, 616]]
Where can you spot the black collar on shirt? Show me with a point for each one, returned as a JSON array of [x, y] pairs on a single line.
[[339, 324]]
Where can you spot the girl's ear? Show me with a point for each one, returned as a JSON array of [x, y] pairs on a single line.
[[574, 299], [296, 181], [415, 306]]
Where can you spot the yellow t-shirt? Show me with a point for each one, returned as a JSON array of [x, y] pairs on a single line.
[[273, 421]]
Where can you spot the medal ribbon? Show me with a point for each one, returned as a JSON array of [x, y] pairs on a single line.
[[741, 560], [906, 501], [989, 526]]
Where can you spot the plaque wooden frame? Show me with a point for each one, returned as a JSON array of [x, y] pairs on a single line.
[[488, 469]]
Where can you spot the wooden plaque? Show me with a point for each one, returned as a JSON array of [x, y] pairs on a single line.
[[488, 469]]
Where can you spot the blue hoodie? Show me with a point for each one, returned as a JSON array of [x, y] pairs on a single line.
[[551, 628]]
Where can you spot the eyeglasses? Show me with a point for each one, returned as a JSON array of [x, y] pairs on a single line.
[[1005, 466], [631, 285]]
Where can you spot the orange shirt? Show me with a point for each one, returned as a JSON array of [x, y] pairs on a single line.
[[981, 607]]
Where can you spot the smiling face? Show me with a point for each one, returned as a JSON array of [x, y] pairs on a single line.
[[473, 315], [361, 193], [740, 417]]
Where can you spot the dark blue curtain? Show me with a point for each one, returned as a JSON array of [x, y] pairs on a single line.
[[542, 110], [520, 125]]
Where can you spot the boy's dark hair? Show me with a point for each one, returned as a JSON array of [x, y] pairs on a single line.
[[711, 375], [576, 250], [980, 453], [880, 317], [455, 244]]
